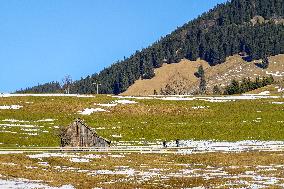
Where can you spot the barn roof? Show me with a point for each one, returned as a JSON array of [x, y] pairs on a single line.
[[78, 120]]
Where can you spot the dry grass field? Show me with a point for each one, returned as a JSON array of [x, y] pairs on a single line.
[[226, 141], [141, 170], [183, 74]]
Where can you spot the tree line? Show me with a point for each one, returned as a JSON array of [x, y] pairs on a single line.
[[247, 85]]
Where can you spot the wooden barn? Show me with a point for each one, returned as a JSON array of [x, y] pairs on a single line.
[[79, 134]]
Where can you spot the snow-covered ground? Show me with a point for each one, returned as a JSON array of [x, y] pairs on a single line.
[[185, 147], [28, 184], [191, 146], [262, 95], [252, 177]]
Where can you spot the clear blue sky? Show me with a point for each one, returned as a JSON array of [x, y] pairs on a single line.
[[43, 40]]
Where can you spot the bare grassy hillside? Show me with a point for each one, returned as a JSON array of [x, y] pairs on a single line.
[[180, 76]]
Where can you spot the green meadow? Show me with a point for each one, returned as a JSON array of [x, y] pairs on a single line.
[[148, 120]]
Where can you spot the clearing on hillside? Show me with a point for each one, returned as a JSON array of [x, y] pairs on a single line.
[[180, 76]]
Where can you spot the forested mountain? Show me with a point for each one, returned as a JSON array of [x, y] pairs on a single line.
[[252, 27], [51, 87]]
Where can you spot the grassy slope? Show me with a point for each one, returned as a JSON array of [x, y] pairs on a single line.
[[183, 71], [149, 119], [221, 74]]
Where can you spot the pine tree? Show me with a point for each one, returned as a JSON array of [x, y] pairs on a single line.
[[201, 75]]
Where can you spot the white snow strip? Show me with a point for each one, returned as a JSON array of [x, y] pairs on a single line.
[[100, 128], [125, 102], [116, 136], [176, 98], [28, 184], [128, 172], [264, 93], [10, 152], [18, 125], [47, 155], [92, 156], [116, 156], [46, 120], [15, 121], [277, 102], [30, 130], [79, 160], [107, 105], [11, 164], [276, 74], [12, 107], [199, 107], [89, 111], [215, 146], [31, 134]]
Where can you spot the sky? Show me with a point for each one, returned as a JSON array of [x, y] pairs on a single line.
[[44, 40]]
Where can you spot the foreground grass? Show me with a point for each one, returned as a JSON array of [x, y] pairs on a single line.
[[211, 170], [148, 120]]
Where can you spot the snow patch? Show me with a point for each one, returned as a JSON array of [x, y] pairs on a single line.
[[12, 107], [11, 152], [216, 146], [28, 184], [107, 105], [264, 93], [79, 160], [125, 102], [15, 121], [276, 74], [46, 120], [277, 102], [199, 107], [47, 155], [18, 125], [89, 111], [116, 136], [176, 98]]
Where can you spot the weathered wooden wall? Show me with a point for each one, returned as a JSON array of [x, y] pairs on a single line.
[[78, 134]]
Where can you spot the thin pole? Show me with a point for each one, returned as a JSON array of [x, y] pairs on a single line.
[[97, 86]]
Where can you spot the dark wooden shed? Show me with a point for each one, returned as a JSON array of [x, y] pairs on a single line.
[[79, 134]]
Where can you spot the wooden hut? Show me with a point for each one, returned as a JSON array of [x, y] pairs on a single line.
[[79, 134]]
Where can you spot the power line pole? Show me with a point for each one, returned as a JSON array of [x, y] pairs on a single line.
[[97, 85]]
